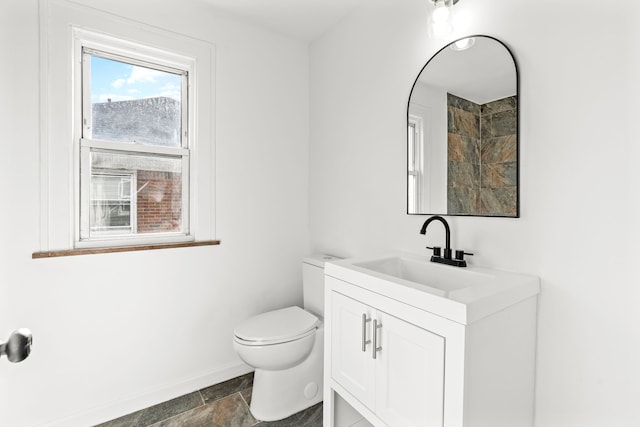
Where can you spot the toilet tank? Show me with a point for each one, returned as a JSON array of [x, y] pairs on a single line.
[[313, 282]]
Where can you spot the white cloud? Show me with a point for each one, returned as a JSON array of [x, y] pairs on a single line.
[[142, 83], [143, 75]]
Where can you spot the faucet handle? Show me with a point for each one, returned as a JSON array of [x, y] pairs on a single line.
[[460, 254], [436, 250]]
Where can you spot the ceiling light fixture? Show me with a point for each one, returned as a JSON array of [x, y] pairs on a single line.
[[441, 19]]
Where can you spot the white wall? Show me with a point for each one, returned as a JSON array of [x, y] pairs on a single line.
[[579, 181], [115, 331]]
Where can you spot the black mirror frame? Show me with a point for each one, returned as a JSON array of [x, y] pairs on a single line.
[[515, 64]]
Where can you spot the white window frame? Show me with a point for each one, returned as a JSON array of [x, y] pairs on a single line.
[[123, 50]]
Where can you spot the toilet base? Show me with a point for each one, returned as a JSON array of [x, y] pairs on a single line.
[[279, 394]]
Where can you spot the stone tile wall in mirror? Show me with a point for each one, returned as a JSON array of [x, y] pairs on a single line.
[[481, 157]]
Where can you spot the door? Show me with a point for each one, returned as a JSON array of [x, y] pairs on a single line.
[[409, 373], [352, 367]]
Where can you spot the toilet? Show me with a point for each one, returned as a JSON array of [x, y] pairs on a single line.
[[286, 348]]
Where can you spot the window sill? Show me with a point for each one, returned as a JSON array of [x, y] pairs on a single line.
[[90, 251]]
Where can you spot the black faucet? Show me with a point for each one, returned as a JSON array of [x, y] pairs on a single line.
[[447, 230], [446, 258]]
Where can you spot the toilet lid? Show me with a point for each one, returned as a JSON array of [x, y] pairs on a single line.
[[278, 325]]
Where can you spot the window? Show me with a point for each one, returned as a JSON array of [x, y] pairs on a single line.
[[111, 175], [414, 165], [134, 160]]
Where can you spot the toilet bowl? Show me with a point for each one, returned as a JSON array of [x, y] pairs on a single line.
[[285, 347], [288, 365]]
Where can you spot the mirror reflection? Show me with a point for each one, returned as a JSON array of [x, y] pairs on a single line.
[[462, 144]]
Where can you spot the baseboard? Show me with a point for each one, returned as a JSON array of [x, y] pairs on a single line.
[[132, 403]]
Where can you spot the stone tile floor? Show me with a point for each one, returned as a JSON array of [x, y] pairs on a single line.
[[221, 405]]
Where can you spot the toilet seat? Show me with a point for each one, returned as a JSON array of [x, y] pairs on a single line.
[[274, 342], [276, 327]]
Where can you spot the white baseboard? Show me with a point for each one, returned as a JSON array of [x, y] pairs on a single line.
[[132, 403]]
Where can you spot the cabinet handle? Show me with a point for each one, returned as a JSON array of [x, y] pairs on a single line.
[[365, 341], [376, 349]]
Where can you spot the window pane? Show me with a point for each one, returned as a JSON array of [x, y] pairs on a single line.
[[411, 191], [135, 193], [132, 103], [411, 147], [110, 205]]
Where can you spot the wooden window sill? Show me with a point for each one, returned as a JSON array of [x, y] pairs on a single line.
[[89, 251]]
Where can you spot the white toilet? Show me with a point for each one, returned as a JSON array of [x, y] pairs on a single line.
[[286, 349]]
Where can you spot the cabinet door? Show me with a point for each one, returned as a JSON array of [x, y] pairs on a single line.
[[350, 366], [410, 374]]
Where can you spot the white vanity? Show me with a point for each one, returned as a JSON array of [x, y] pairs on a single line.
[[414, 343]]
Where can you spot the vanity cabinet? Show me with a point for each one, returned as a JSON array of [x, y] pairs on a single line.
[[438, 362], [384, 378]]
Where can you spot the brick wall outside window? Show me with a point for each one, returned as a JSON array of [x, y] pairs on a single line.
[[159, 199]]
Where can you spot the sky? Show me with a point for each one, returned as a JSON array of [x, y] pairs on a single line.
[[119, 81]]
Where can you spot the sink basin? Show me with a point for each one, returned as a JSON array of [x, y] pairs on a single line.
[[463, 294], [422, 272]]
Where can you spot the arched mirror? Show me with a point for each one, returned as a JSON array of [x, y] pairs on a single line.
[[462, 120]]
